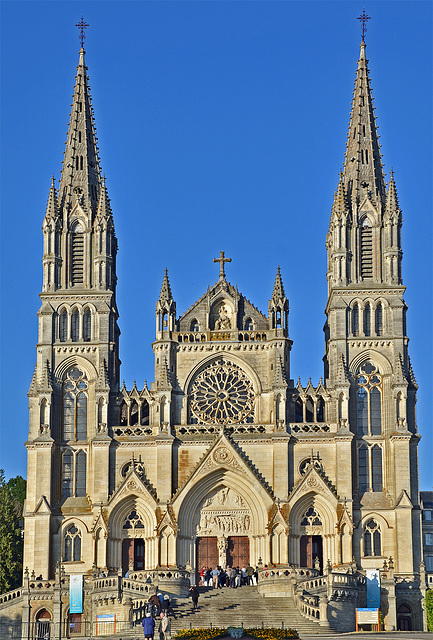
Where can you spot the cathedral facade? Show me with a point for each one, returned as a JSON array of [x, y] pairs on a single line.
[[224, 459]]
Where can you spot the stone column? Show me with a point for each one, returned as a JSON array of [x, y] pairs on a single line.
[[57, 604], [323, 610], [26, 610]]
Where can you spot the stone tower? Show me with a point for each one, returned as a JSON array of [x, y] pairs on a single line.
[[367, 367], [77, 371], [222, 459]]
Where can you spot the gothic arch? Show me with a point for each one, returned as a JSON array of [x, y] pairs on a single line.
[[327, 512], [375, 357], [72, 520], [78, 361], [121, 511], [189, 502]]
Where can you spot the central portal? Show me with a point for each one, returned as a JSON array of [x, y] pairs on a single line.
[[132, 554]]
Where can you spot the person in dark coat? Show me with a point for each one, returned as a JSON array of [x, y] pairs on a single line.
[[156, 602], [148, 627], [194, 594]]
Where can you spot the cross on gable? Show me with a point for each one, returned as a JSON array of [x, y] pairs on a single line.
[[222, 260]]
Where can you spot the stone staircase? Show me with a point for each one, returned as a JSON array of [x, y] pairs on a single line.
[[242, 606]]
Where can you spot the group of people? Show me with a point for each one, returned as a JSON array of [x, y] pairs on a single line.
[[158, 606], [230, 577]]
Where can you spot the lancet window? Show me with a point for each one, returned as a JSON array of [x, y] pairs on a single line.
[[87, 325], [77, 246], [63, 326], [74, 471], [372, 539], [75, 390], [72, 545], [367, 320], [370, 475], [379, 320], [366, 250], [355, 320], [369, 400]]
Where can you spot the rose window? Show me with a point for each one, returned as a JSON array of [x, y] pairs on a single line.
[[222, 394]]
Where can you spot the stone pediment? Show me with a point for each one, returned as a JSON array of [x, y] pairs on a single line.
[[404, 501], [42, 508], [99, 522], [133, 485], [235, 306], [167, 519], [223, 453], [277, 517], [313, 482]]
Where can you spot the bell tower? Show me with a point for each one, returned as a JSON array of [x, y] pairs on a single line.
[[367, 365], [73, 394]]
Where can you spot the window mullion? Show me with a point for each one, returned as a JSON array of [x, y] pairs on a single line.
[[370, 471]]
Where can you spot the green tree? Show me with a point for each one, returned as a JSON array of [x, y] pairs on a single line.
[[12, 494], [429, 608]]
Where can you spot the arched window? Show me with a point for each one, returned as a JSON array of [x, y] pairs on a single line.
[[320, 409], [367, 320], [63, 326], [355, 320], [309, 412], [366, 250], [75, 326], [194, 325], [72, 549], [249, 326], [370, 465], [145, 413], [77, 270], [299, 410], [75, 389], [379, 320], [123, 414], [369, 400], [80, 474], [134, 413], [67, 474], [44, 417], [372, 539], [87, 325]]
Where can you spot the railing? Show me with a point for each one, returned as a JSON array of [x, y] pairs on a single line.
[[308, 606], [11, 596], [194, 337], [301, 573], [306, 428], [201, 429]]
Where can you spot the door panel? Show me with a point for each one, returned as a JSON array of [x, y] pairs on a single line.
[[207, 553], [238, 552]]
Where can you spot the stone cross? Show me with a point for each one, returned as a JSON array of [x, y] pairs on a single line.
[[82, 26], [222, 260]]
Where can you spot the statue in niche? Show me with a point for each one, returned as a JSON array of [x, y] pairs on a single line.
[[222, 551], [223, 321]]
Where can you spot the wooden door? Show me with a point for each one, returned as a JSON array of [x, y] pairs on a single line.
[[238, 552], [138, 554], [207, 553], [311, 548], [127, 554]]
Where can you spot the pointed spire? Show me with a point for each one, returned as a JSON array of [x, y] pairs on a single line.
[[342, 377], [363, 171], [103, 378], [46, 381], [392, 206], [104, 206], [33, 389], [165, 295], [400, 376], [52, 211], [81, 179], [339, 207], [278, 292], [165, 379]]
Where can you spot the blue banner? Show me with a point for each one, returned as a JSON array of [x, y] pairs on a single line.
[[76, 594], [373, 588]]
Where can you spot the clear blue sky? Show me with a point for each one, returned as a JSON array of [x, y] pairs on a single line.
[[222, 125]]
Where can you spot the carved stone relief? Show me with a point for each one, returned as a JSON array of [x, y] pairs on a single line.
[[223, 512]]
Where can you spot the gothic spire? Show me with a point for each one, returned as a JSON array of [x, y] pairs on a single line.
[[278, 292], [165, 295], [363, 171], [104, 206], [392, 206], [52, 211], [81, 177]]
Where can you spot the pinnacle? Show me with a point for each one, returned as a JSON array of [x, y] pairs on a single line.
[[278, 292], [165, 295]]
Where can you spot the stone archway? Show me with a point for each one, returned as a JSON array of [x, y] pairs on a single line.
[[228, 510]]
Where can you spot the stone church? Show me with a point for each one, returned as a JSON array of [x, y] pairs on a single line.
[[224, 459]]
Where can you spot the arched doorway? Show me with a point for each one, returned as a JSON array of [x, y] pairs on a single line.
[[43, 625], [132, 543], [404, 618]]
